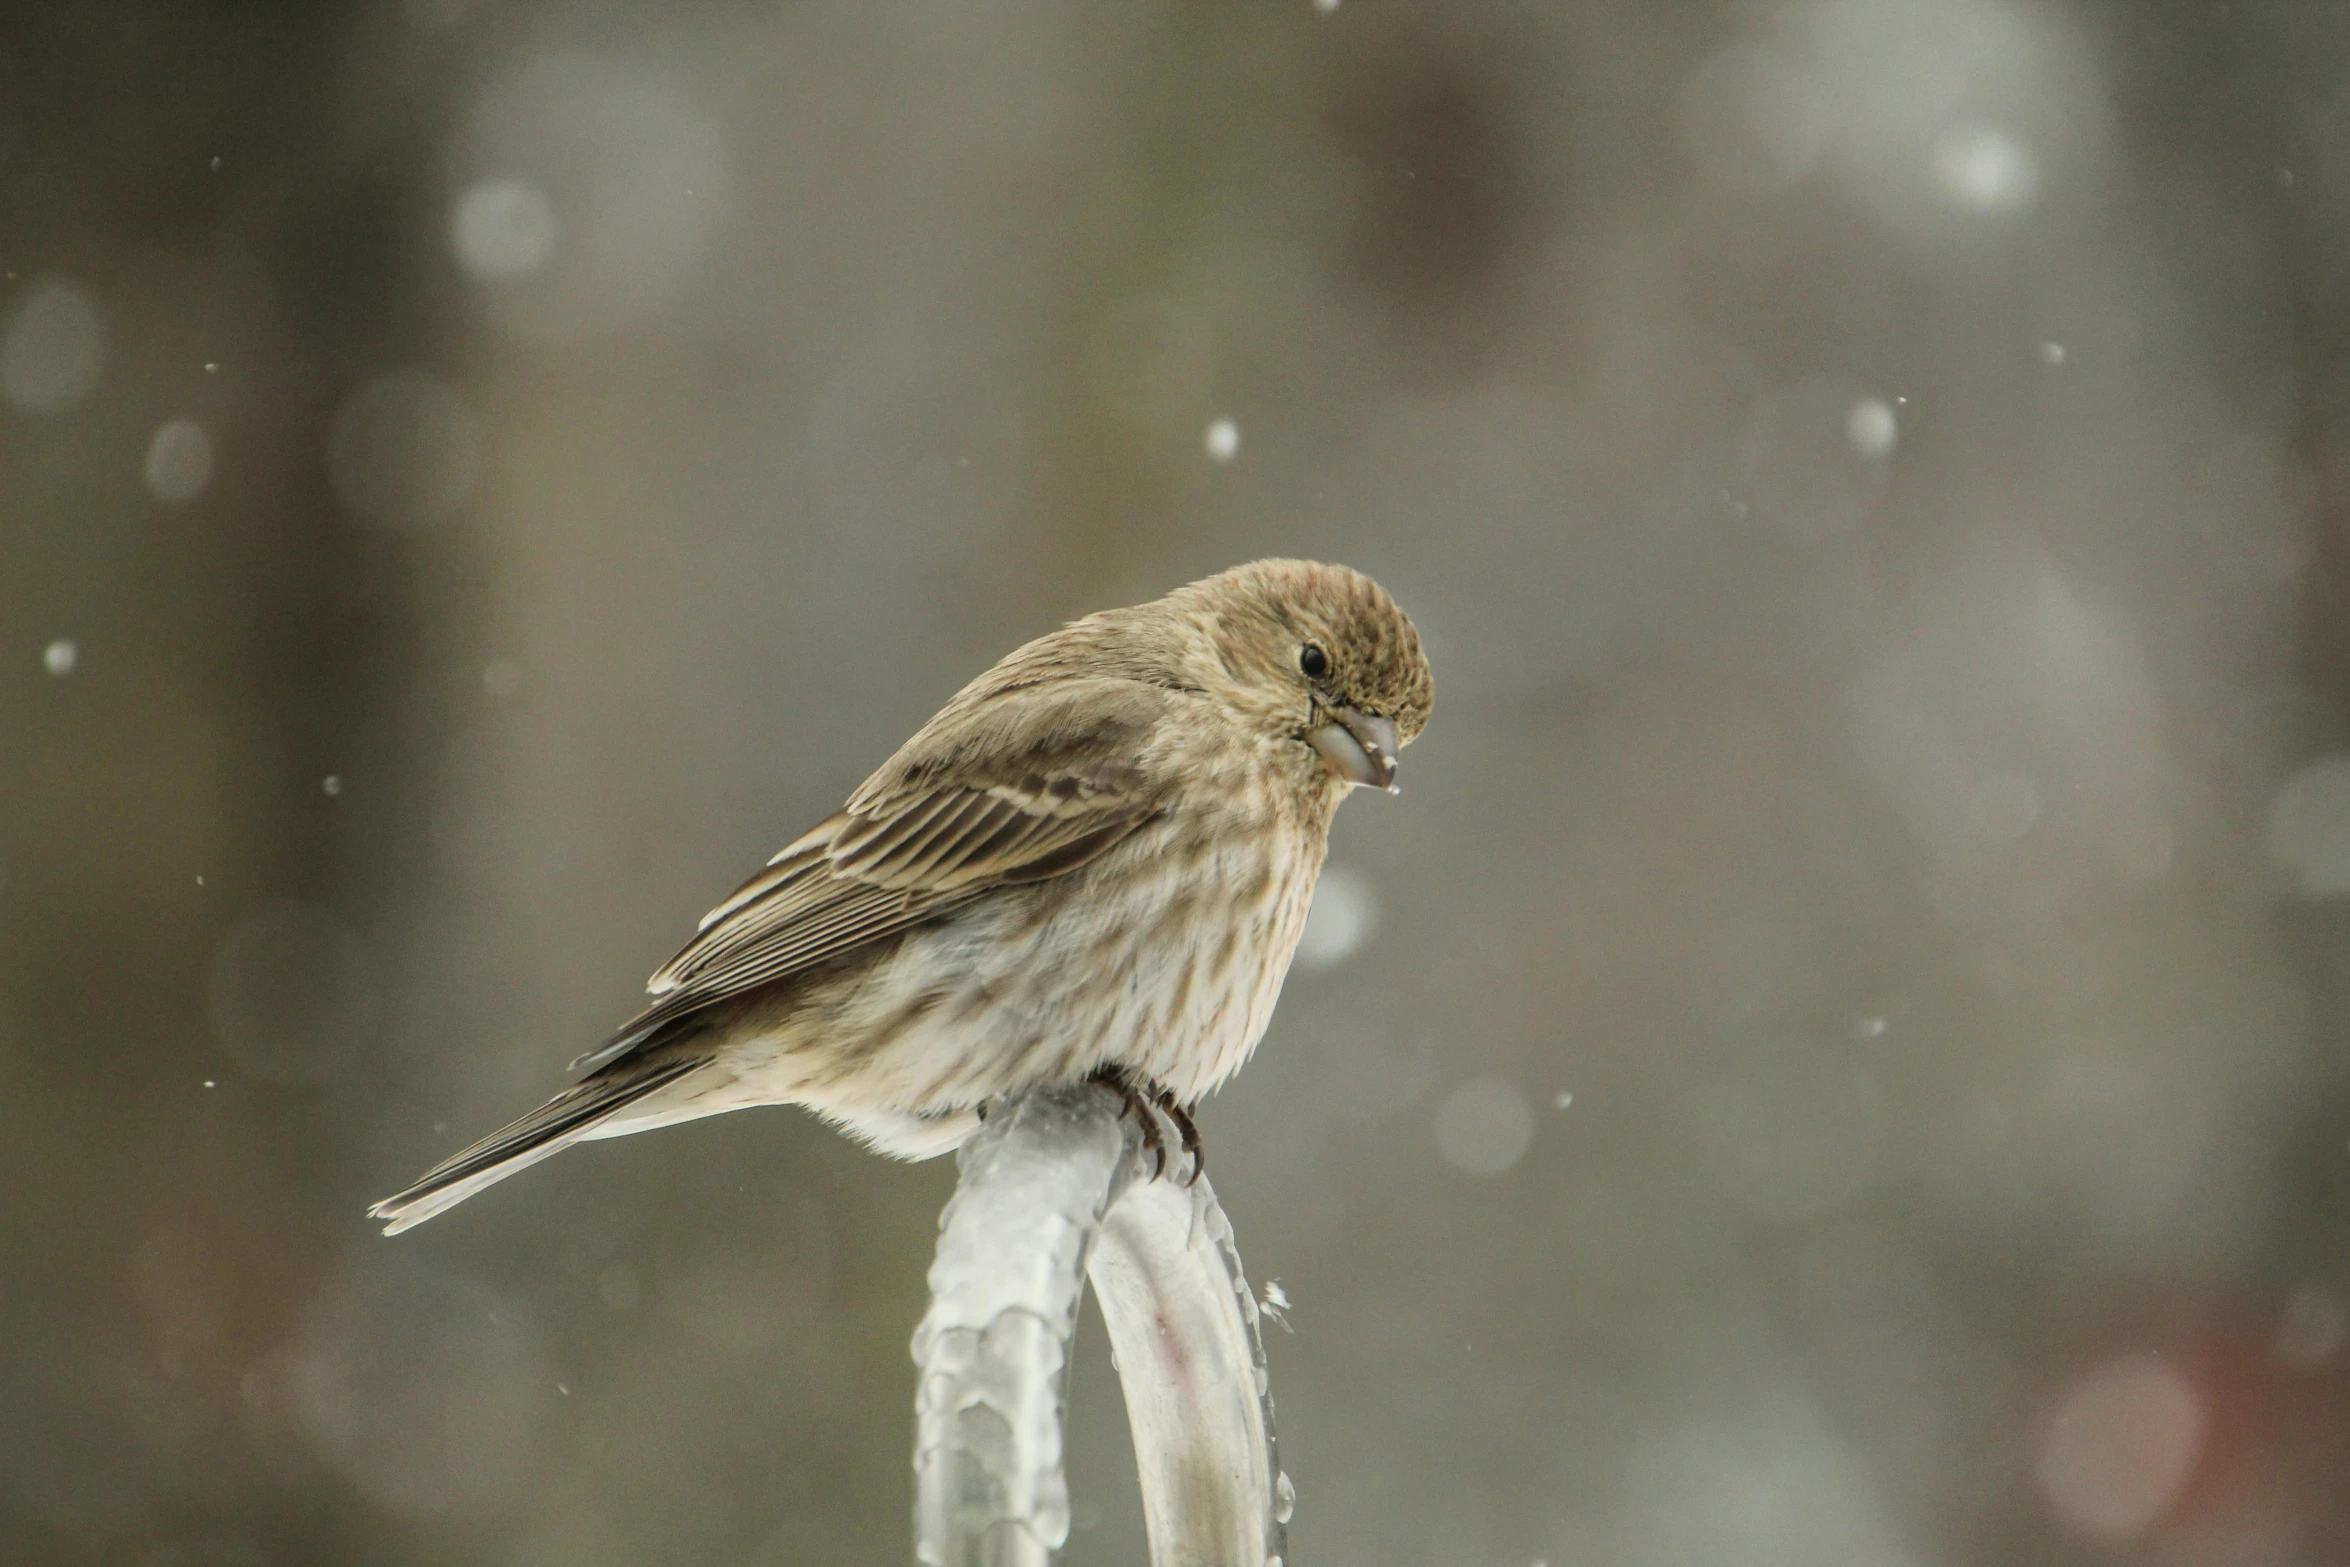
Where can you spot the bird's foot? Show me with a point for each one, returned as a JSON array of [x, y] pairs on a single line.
[[1147, 1100], [1165, 1099]]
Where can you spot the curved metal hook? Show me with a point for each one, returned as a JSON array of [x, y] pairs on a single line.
[[1053, 1192]]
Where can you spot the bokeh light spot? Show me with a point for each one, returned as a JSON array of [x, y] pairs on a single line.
[[1984, 169], [1344, 915], [1754, 122], [54, 349], [2120, 1446], [1871, 427], [502, 229], [1811, 461], [405, 450], [631, 161], [1484, 1128], [179, 462], [2308, 836], [2313, 1327]]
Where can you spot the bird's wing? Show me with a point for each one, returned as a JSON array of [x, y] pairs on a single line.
[[1021, 787]]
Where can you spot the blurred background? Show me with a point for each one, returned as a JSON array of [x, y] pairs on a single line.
[[1837, 1057]]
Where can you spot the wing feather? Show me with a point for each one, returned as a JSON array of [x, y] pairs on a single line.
[[892, 858], [789, 861], [981, 799], [956, 857]]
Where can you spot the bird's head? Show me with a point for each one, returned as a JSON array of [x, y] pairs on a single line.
[[1315, 653]]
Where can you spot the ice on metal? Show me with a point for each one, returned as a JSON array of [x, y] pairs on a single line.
[[1275, 1305], [1184, 1321], [994, 1347], [1055, 1191]]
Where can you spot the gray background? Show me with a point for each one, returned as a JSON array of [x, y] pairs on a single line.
[[475, 478]]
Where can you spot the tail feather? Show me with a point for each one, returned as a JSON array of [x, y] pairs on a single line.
[[552, 1127]]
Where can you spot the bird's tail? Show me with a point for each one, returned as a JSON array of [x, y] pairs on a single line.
[[561, 1121]]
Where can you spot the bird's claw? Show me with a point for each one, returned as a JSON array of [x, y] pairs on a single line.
[[1147, 1105], [1184, 1129]]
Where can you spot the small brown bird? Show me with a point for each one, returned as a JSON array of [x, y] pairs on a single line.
[[1093, 863]]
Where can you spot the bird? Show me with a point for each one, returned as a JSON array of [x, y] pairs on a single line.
[[1093, 864]]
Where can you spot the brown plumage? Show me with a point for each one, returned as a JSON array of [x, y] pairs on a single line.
[[1096, 858]]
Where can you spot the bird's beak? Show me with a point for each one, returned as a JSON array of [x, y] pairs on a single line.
[[1358, 747]]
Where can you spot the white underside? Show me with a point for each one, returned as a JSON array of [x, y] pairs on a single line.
[[1174, 998]]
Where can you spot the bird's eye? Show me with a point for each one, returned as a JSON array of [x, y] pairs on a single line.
[[1313, 661]]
